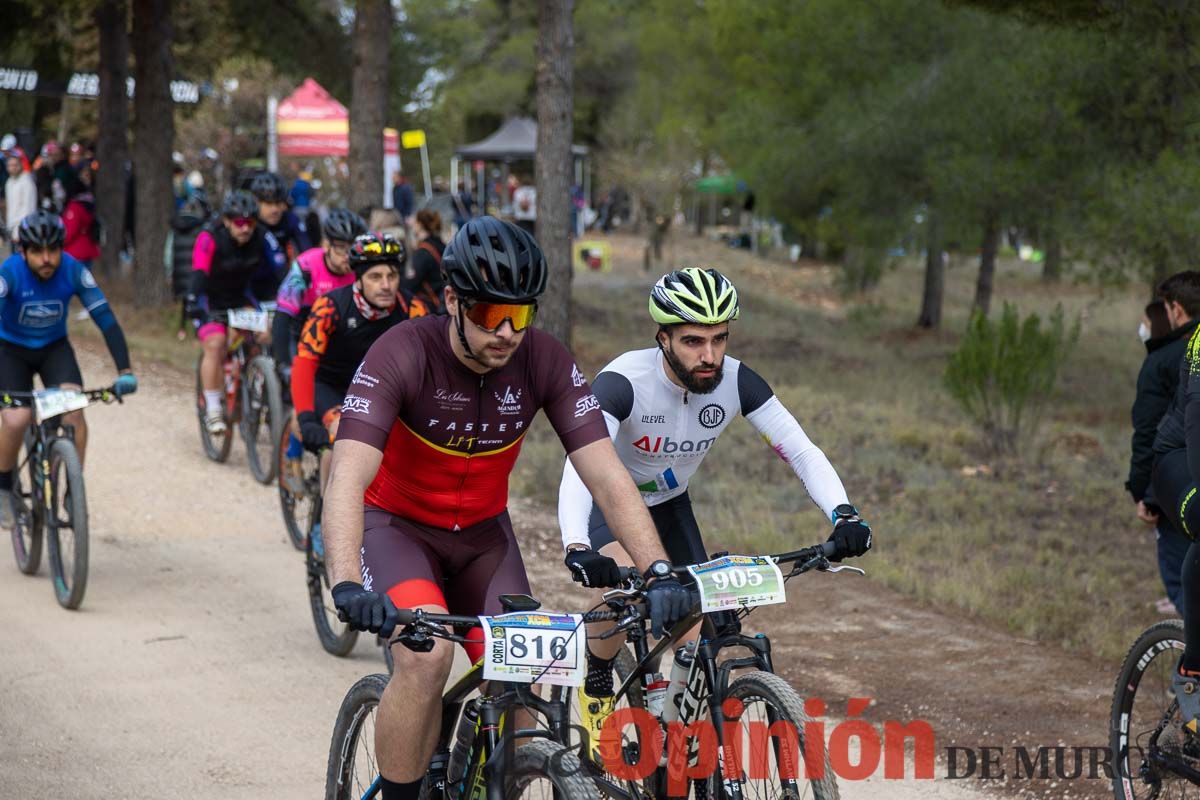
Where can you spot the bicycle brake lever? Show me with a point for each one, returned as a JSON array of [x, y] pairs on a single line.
[[631, 619], [815, 562], [621, 594], [843, 568]]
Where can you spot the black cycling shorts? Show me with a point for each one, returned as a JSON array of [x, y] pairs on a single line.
[[677, 528], [463, 571], [55, 364], [1175, 491]]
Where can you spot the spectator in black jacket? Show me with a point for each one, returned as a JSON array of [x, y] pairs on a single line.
[[186, 225], [423, 277], [1165, 330]]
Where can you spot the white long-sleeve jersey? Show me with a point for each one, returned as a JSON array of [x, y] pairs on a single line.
[[663, 432]]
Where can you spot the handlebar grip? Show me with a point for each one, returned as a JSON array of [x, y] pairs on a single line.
[[829, 549]]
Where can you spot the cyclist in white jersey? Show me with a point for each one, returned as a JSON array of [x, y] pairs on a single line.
[[665, 407]]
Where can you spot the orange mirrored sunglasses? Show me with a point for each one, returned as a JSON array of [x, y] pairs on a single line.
[[490, 316]]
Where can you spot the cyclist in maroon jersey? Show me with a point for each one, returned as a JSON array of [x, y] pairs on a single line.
[[430, 429]]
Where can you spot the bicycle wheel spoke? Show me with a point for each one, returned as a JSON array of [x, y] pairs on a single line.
[[365, 767]]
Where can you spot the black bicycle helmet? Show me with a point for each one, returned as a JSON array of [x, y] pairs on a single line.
[[489, 259], [343, 225], [197, 205], [269, 188], [375, 248], [239, 204], [41, 229]]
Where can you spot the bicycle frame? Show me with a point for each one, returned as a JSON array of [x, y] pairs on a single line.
[[44, 433], [240, 348], [493, 741], [492, 736], [720, 630]]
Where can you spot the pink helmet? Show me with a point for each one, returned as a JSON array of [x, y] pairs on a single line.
[[50, 149]]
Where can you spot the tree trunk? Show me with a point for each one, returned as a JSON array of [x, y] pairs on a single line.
[[987, 265], [1052, 261], [154, 137], [935, 276], [552, 163], [112, 146], [368, 102]]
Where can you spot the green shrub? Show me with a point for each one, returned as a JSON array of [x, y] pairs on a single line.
[[1004, 372]]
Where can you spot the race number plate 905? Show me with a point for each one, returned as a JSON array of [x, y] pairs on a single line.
[[535, 648], [738, 582]]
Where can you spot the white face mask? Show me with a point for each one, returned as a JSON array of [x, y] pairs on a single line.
[[1144, 332]]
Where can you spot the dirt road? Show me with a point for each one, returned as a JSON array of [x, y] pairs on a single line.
[[193, 670]]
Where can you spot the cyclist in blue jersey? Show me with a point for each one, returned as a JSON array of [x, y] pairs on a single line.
[[36, 287], [278, 219]]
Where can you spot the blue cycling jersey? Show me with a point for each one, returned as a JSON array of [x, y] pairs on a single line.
[[33, 312]]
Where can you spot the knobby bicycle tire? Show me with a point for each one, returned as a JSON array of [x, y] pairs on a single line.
[[359, 702], [295, 512], [257, 412], [545, 761], [780, 695], [336, 638], [28, 524], [216, 448], [1162, 640], [70, 506]]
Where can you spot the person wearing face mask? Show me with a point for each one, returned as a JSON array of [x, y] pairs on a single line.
[[1165, 328]]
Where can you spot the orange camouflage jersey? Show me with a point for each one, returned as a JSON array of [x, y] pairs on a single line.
[[339, 331]]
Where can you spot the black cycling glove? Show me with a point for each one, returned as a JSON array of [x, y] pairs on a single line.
[[851, 534], [592, 569], [314, 435], [363, 610], [194, 309], [669, 602]]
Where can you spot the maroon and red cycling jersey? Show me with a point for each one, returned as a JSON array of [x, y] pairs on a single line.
[[449, 435]]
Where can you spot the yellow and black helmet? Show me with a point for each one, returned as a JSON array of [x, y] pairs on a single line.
[[693, 295], [373, 248]]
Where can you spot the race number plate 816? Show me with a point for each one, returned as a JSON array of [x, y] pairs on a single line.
[[535, 648], [738, 582]]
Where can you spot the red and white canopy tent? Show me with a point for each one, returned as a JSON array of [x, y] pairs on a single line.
[[311, 122]]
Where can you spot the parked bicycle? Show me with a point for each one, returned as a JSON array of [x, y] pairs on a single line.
[[52, 499], [696, 687], [253, 397], [475, 755], [1153, 756]]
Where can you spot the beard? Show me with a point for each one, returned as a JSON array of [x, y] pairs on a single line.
[[689, 379]]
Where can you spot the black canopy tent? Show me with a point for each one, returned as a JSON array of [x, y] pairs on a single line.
[[515, 140]]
